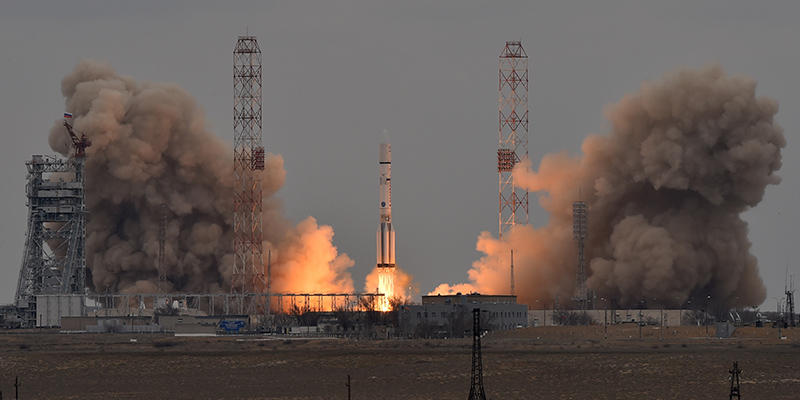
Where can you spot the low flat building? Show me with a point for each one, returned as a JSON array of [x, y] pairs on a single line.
[[447, 316]]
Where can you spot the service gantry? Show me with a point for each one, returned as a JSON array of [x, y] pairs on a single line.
[[54, 261], [248, 166]]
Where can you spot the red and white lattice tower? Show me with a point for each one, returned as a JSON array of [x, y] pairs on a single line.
[[248, 164], [513, 134]]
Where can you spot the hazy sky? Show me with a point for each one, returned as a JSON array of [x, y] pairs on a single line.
[[337, 74]]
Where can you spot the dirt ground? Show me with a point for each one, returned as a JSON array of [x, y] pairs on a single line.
[[531, 363]]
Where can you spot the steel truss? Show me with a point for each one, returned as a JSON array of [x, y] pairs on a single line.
[[248, 161], [56, 217], [513, 135]]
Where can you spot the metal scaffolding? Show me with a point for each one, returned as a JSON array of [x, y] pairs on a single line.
[[580, 211], [54, 261], [248, 159], [513, 135]]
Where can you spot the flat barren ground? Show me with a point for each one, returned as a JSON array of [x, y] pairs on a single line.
[[532, 363]]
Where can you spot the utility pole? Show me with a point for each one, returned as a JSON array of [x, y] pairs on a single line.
[[735, 381], [476, 389]]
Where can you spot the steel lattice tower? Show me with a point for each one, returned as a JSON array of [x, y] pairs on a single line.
[[580, 211], [735, 390], [162, 258], [54, 261], [790, 301], [476, 388], [513, 134], [248, 162]]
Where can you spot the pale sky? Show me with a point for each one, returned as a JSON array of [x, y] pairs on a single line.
[[337, 74]]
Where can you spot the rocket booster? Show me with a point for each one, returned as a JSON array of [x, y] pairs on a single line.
[[386, 231]]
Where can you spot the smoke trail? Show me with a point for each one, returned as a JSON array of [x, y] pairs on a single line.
[[686, 155], [151, 146]]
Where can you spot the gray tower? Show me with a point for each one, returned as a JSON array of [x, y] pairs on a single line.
[[54, 261]]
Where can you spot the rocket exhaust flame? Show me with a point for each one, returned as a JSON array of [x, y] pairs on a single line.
[[686, 156], [386, 286]]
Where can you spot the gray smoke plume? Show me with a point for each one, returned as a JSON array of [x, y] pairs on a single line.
[[151, 146], [666, 188]]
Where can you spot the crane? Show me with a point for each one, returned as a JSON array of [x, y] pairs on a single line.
[[79, 145]]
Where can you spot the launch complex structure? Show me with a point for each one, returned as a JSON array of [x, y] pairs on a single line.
[[513, 140], [52, 279], [54, 260]]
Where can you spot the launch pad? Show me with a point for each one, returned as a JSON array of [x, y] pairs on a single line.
[[49, 309]]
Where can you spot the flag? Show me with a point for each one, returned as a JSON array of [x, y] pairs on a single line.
[[67, 115]]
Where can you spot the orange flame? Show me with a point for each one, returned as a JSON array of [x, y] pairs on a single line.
[[394, 283]]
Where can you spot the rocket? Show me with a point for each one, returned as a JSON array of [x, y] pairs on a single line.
[[386, 231]]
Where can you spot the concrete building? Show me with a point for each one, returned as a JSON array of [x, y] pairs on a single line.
[[450, 315], [545, 317]]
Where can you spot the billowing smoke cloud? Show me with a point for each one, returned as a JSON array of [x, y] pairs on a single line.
[[686, 155], [151, 146]]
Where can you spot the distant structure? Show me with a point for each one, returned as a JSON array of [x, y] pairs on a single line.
[[162, 244], [789, 289], [476, 388], [513, 135], [447, 315], [580, 211], [386, 263], [512, 272], [248, 164], [54, 261]]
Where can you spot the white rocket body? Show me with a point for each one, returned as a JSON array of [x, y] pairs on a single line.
[[386, 231]]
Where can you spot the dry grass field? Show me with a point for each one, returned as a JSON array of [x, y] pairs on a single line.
[[532, 363]]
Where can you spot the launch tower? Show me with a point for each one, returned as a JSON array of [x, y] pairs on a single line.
[[513, 134], [248, 164], [54, 261], [386, 263]]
